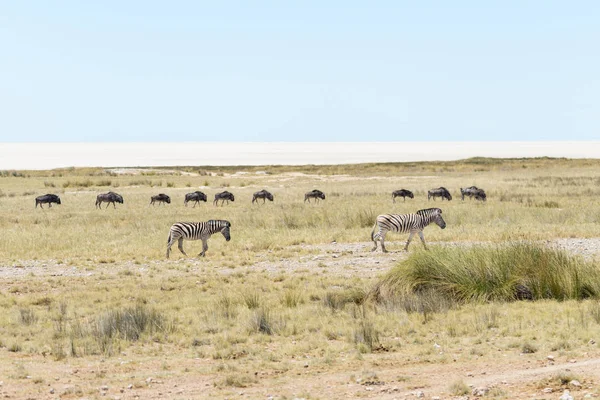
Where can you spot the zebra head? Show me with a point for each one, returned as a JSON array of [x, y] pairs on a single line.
[[225, 230], [433, 215]]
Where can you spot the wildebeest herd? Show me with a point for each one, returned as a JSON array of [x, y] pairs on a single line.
[[412, 223], [226, 196]]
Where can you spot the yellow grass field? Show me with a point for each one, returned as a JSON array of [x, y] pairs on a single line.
[[91, 308]]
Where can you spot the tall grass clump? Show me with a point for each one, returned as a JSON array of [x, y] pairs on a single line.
[[127, 324], [366, 336], [492, 273]]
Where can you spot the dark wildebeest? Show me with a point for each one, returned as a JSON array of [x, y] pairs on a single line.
[[48, 199], [263, 194], [223, 196], [196, 196], [314, 194], [402, 193], [110, 197], [160, 198], [480, 195], [473, 191], [439, 192]]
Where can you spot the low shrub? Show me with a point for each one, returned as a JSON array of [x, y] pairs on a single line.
[[517, 271]]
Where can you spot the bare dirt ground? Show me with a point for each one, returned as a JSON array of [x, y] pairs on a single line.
[[509, 376], [343, 259]]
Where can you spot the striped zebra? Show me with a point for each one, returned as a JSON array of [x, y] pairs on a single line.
[[413, 223], [196, 231]]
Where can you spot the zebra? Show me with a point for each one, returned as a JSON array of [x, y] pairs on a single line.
[[223, 196], [263, 194], [196, 196], [48, 199], [402, 193], [314, 194], [473, 191], [439, 192], [110, 197], [160, 198], [413, 223], [196, 231]]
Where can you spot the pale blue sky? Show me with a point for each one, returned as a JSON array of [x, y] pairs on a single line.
[[299, 70]]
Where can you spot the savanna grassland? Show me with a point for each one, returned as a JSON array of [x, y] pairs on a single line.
[[295, 305]]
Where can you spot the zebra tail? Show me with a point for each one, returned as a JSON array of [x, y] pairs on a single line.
[[373, 232]]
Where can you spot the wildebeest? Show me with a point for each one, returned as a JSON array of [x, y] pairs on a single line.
[[402, 193], [314, 194], [110, 197], [473, 191], [196, 196], [160, 198], [439, 192], [48, 199], [263, 194], [223, 196]]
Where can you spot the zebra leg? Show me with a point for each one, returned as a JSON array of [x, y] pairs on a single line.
[[180, 246], [382, 239], [422, 239], [169, 247], [204, 247], [409, 239], [375, 238]]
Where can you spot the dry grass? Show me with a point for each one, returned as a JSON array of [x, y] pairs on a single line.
[[127, 306]]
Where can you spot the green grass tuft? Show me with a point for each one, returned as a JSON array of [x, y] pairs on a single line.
[[492, 273]]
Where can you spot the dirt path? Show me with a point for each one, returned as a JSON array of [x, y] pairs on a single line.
[[341, 259]]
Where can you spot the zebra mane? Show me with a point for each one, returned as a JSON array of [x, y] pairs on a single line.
[[429, 211], [220, 221]]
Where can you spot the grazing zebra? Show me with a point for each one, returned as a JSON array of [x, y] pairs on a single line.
[[196, 231], [48, 199], [314, 194], [473, 191], [196, 196], [439, 192], [160, 198], [110, 197], [223, 196], [402, 193], [413, 223]]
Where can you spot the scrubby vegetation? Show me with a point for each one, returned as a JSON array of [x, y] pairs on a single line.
[[508, 272], [89, 292]]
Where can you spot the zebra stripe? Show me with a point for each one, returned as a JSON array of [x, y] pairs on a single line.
[[413, 223], [196, 231]]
